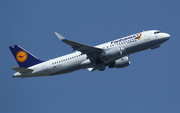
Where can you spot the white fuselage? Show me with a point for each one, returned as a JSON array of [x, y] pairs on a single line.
[[72, 62]]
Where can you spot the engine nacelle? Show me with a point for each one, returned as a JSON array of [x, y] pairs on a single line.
[[120, 63], [114, 52]]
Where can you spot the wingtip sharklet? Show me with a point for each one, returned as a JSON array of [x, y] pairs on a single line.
[[59, 36]]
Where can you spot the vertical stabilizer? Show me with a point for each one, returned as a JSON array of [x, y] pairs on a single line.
[[23, 57]]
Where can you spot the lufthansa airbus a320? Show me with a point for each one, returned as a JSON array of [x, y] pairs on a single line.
[[113, 54]]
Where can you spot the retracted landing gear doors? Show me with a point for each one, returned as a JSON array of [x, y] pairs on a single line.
[[45, 68]]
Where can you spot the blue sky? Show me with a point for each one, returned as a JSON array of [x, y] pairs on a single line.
[[149, 84]]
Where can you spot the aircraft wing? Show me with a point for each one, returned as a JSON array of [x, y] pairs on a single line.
[[85, 49]]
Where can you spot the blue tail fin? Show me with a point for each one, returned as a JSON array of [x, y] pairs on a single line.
[[23, 58]]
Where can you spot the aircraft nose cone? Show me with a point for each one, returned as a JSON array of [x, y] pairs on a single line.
[[167, 36]]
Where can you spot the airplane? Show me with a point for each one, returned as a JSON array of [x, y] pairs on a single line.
[[114, 54]]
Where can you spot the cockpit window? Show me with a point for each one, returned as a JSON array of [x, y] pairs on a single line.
[[156, 32]]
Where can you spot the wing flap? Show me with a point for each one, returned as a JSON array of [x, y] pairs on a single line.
[[91, 69], [22, 70]]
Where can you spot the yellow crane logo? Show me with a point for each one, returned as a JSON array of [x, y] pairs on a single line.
[[21, 56]]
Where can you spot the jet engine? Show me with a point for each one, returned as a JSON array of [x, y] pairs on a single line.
[[114, 52], [120, 63]]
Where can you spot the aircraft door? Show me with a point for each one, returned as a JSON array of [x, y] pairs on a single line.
[[45, 68], [146, 36]]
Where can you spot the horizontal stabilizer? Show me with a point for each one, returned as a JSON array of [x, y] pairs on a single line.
[[22, 70]]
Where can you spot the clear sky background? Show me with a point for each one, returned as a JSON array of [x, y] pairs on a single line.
[[151, 84]]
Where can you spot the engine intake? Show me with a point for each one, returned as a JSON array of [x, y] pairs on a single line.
[[120, 63]]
